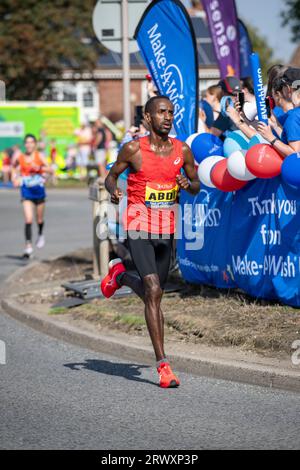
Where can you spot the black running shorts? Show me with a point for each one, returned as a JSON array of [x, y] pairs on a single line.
[[36, 202], [151, 254]]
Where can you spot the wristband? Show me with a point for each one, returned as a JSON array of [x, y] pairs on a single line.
[[273, 141]]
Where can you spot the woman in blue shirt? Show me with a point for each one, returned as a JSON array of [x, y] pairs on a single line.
[[289, 142]]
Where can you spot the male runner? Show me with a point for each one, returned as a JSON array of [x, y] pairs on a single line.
[[155, 163]]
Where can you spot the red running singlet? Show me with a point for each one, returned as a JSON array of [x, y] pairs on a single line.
[[152, 191]]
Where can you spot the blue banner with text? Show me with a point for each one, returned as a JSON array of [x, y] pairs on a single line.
[[249, 239], [167, 42]]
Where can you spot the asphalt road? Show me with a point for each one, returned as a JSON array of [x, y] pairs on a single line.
[[58, 396]]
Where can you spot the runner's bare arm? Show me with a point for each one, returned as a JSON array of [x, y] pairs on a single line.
[[123, 162], [15, 173], [191, 183]]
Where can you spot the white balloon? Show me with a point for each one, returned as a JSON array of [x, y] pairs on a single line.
[[236, 166], [190, 139], [205, 168]]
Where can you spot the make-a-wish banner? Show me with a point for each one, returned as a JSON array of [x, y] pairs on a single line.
[[223, 25], [167, 42], [249, 239]]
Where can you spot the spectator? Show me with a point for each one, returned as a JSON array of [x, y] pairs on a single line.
[[16, 153], [7, 165], [274, 73], [53, 164], [71, 156], [249, 108], [213, 96], [230, 87], [99, 145], [283, 104], [245, 117], [85, 137], [42, 143], [206, 116], [289, 141]]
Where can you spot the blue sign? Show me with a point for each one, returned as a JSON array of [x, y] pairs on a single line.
[[168, 45], [249, 240], [245, 51]]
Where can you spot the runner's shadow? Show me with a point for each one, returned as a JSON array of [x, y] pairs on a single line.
[[128, 371], [21, 261]]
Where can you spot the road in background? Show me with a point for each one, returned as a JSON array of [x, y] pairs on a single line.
[[58, 396]]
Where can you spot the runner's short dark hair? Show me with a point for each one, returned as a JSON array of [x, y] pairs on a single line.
[[30, 136], [150, 103]]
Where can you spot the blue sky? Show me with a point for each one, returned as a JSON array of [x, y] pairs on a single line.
[[265, 15]]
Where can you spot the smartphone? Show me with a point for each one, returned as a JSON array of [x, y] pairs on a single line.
[[270, 104], [241, 99], [138, 118]]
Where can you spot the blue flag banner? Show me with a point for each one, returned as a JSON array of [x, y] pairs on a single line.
[[249, 239], [167, 42], [246, 50], [223, 25]]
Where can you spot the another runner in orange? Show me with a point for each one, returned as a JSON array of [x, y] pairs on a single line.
[[155, 178], [28, 174]]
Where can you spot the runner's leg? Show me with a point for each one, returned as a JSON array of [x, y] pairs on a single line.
[[147, 288], [40, 209], [153, 295], [163, 252], [28, 216]]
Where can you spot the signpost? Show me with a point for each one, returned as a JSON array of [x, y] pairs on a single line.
[[114, 23]]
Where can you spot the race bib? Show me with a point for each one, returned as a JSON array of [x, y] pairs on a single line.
[[32, 181], [160, 195]]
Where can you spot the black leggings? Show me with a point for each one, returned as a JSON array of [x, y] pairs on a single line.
[[151, 255]]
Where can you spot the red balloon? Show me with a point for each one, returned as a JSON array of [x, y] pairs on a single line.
[[263, 161], [223, 180]]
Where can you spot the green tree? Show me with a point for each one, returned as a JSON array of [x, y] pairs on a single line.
[[40, 38], [291, 16]]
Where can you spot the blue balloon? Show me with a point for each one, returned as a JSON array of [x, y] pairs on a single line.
[[291, 170], [206, 145], [235, 141], [257, 139]]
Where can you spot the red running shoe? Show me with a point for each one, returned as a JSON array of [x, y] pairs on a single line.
[[109, 284], [166, 377]]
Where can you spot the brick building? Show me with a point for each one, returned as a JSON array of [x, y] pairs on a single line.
[[101, 91]]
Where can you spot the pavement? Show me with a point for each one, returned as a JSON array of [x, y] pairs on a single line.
[[57, 395]]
